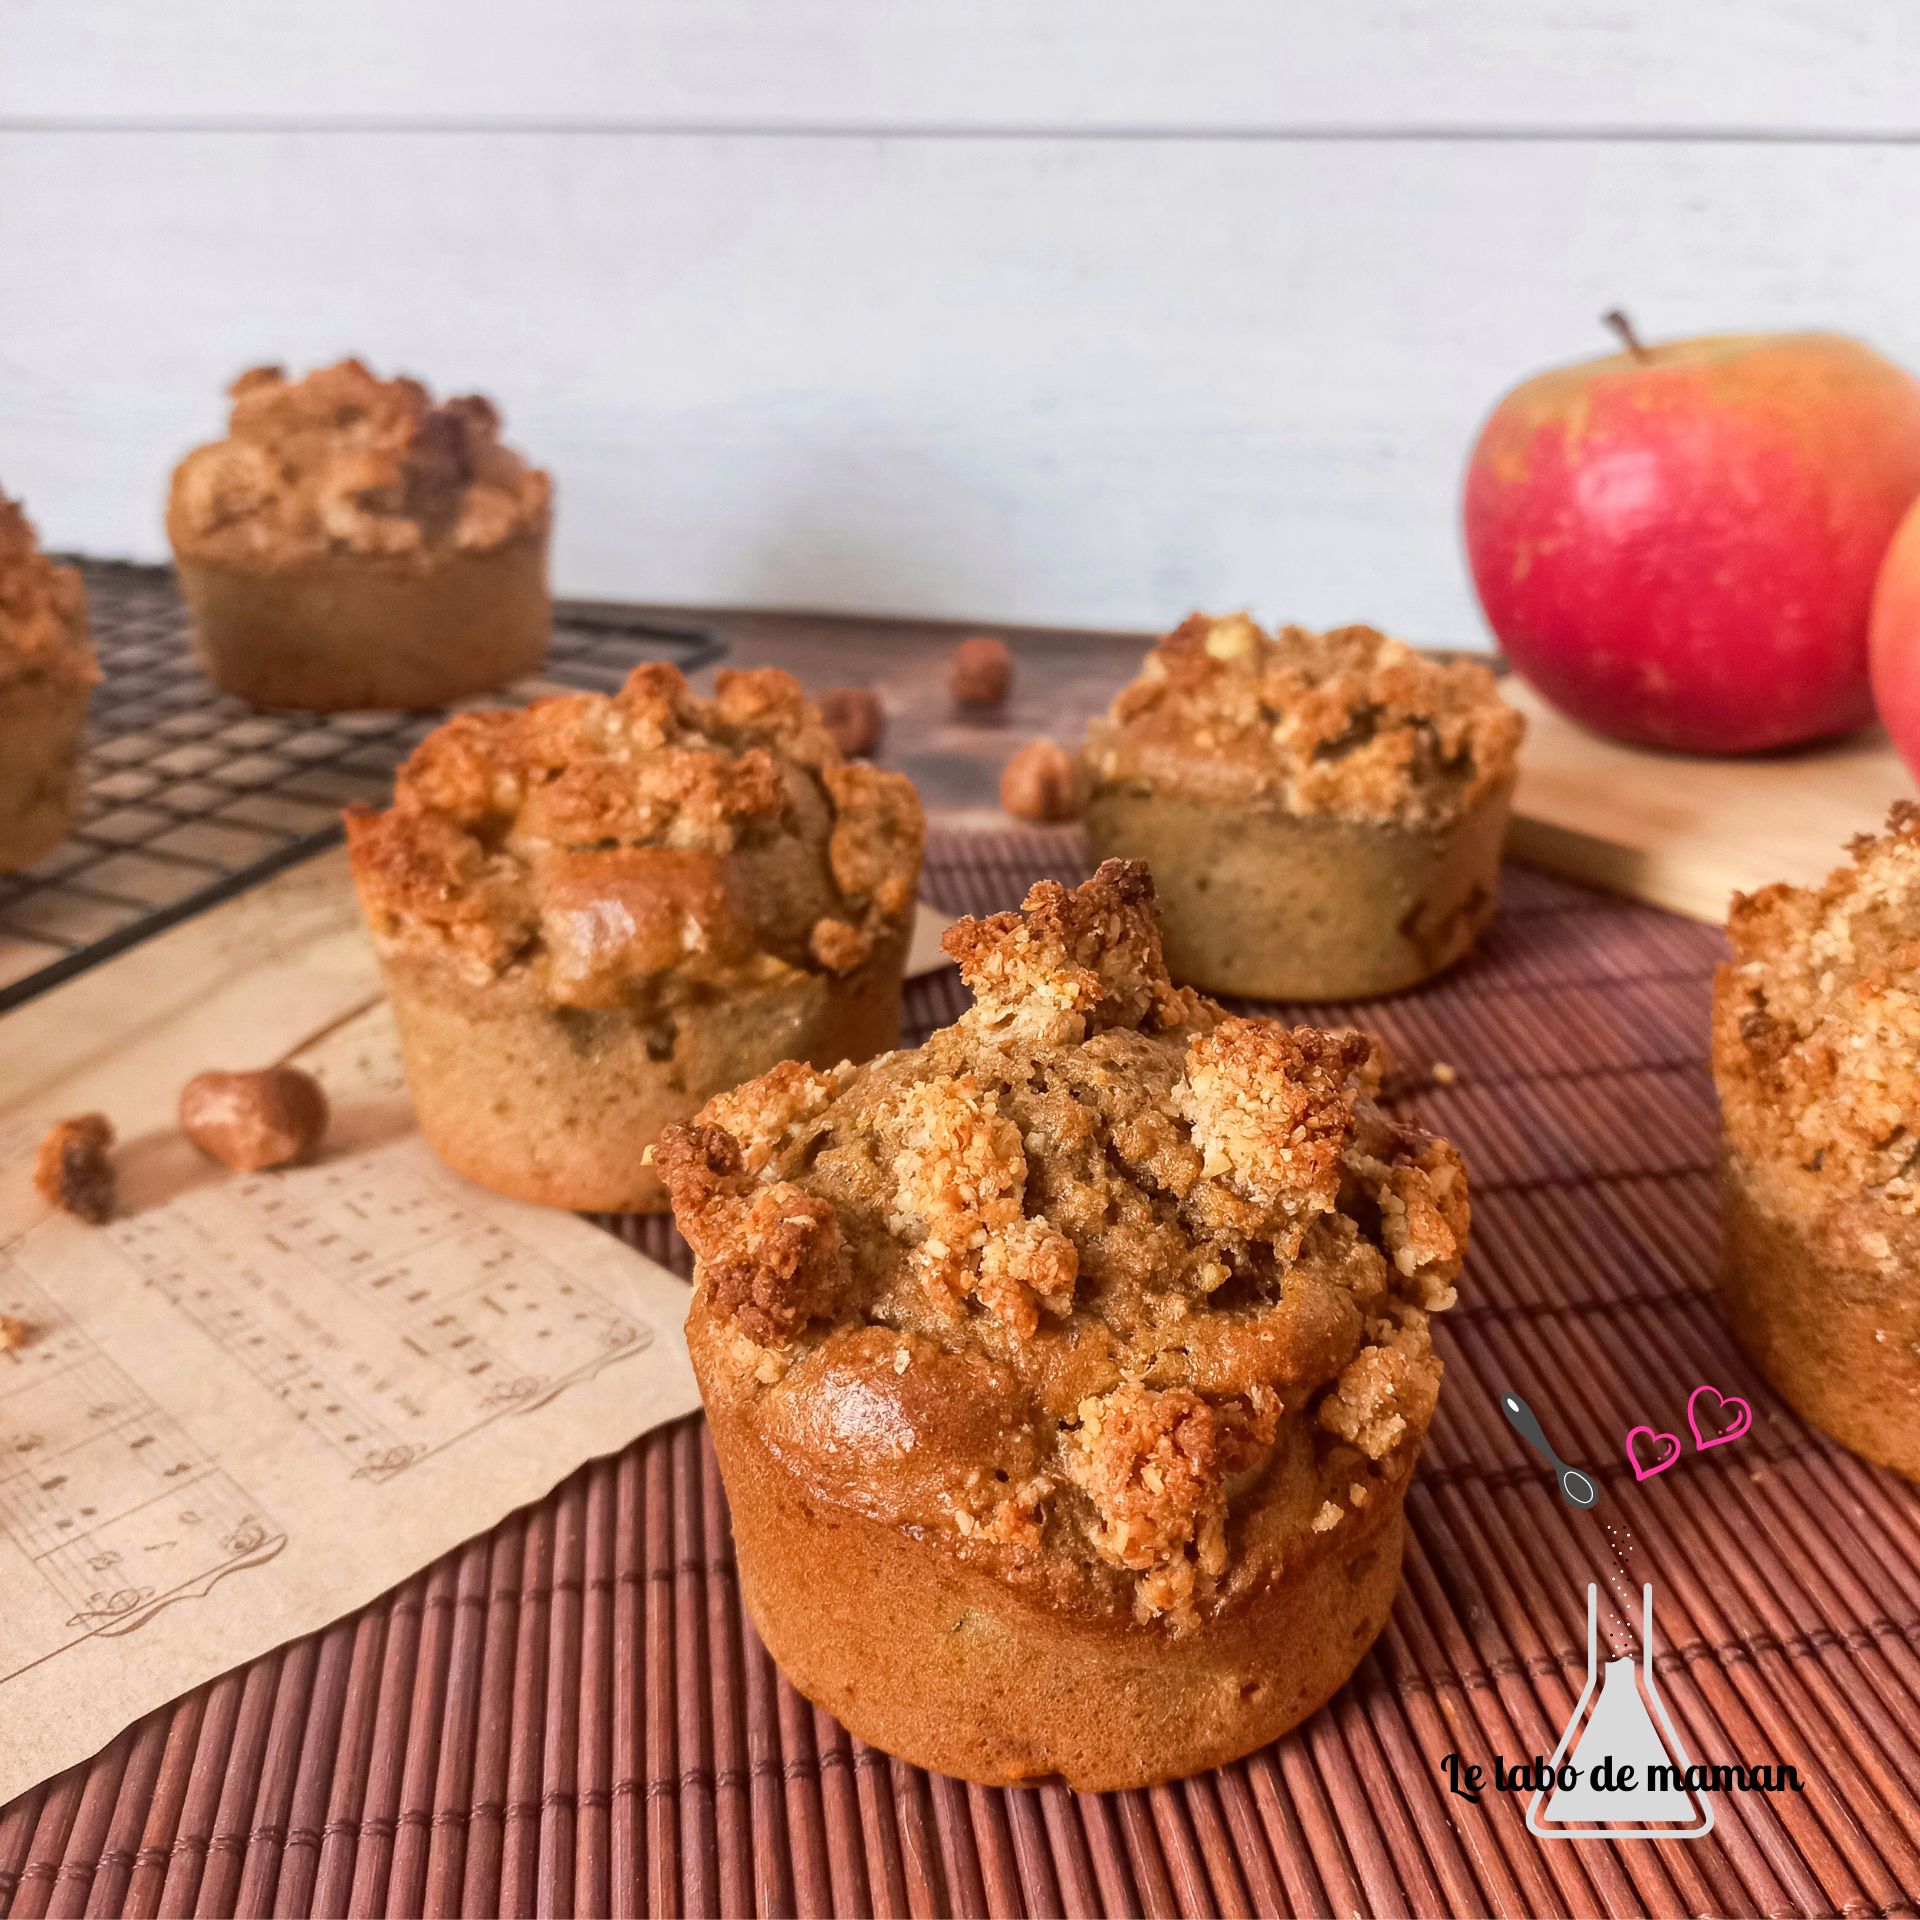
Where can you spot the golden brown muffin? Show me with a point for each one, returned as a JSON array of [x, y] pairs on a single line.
[[1323, 812], [353, 544], [596, 912], [47, 670], [1067, 1372], [1816, 1052]]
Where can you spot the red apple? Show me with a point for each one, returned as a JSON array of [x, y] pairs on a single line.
[[1893, 640], [1677, 545]]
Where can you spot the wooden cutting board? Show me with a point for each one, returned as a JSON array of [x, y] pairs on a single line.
[[1685, 832]]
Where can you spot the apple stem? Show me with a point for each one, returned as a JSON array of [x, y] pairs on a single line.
[[1621, 325]]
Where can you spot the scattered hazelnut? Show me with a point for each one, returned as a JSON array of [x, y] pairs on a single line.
[[1040, 783], [855, 718], [71, 1169], [249, 1121], [982, 671], [13, 1333]]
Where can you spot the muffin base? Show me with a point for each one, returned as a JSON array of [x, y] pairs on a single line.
[[558, 1104], [1283, 906], [355, 631], [41, 728], [945, 1665], [1839, 1341]]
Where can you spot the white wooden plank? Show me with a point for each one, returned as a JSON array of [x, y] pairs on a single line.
[[1808, 66], [1057, 381]]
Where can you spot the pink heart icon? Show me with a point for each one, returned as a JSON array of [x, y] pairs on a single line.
[[1728, 1405], [1671, 1441]]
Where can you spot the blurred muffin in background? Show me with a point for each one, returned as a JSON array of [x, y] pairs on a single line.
[[47, 669], [595, 913], [1323, 812], [351, 543]]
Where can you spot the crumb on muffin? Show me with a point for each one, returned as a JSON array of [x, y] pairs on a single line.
[[43, 611], [1816, 1036], [1062, 1285], [604, 846], [342, 461], [1346, 723]]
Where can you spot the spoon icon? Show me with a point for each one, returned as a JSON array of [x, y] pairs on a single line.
[[1575, 1488]]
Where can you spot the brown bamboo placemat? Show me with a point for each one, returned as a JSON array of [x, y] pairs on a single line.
[[571, 1715]]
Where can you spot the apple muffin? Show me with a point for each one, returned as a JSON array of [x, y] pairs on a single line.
[[1816, 1053], [47, 670], [1323, 812], [1067, 1372], [594, 913], [351, 543]]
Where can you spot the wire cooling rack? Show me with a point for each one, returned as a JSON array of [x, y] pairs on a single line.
[[189, 795]]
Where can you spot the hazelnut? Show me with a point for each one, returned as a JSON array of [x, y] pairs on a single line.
[[855, 718], [71, 1169], [982, 671], [1041, 782], [249, 1121]]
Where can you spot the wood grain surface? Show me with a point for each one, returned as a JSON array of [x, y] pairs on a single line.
[[1684, 831]]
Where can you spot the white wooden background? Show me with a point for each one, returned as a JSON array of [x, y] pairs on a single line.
[[1054, 310]]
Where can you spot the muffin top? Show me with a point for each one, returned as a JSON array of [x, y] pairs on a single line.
[[1112, 1292], [43, 612], [625, 850], [1346, 723], [1816, 1039], [343, 462]]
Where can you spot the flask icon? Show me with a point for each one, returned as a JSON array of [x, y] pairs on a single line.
[[1629, 1768]]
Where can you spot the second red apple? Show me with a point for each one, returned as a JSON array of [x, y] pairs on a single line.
[[1677, 545]]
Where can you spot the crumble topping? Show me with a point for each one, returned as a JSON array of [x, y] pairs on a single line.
[[767, 1113], [1264, 1108], [1191, 1252], [1380, 1391], [1346, 723], [1816, 1034], [342, 461], [960, 1181], [1147, 1461], [43, 611], [1071, 961], [610, 849]]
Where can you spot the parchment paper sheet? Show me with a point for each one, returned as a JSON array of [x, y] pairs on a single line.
[[252, 1403]]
